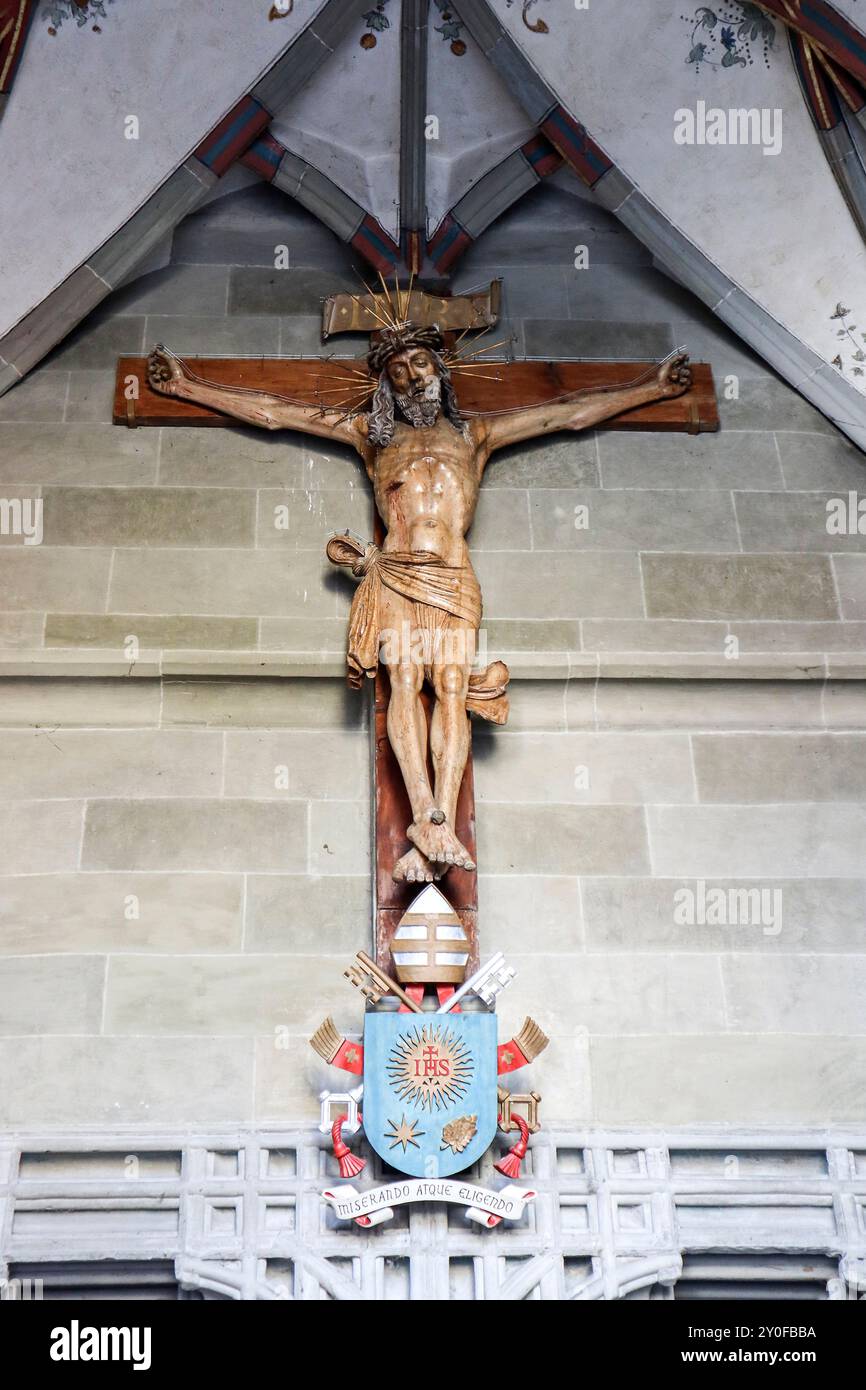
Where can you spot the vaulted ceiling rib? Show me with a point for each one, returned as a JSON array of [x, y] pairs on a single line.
[[393, 147]]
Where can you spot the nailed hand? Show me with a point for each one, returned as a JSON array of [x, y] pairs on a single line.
[[164, 372], [675, 375]]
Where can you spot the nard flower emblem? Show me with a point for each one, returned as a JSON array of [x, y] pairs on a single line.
[[459, 1133]]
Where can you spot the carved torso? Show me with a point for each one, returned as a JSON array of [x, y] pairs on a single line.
[[426, 485]]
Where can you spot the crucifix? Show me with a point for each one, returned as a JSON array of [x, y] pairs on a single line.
[[412, 413]]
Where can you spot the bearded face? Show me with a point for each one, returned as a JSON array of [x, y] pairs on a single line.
[[421, 405], [414, 385], [417, 386]]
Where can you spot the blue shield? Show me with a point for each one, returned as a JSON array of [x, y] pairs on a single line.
[[430, 1105]]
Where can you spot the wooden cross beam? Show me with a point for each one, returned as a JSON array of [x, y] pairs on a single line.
[[513, 384]]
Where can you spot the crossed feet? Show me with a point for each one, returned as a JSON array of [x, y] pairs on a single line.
[[436, 850]]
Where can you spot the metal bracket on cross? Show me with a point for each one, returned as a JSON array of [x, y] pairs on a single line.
[[366, 313], [336, 1103], [487, 983]]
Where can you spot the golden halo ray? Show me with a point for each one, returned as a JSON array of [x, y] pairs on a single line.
[[335, 390], [481, 376], [452, 357], [375, 295], [371, 309], [385, 287], [353, 371]]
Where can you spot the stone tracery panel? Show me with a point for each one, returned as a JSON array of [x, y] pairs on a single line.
[[240, 1216]]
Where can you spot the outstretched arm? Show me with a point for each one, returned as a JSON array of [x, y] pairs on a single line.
[[673, 378], [166, 374]]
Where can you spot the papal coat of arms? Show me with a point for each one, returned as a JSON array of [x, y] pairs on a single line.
[[430, 1090], [430, 1102]]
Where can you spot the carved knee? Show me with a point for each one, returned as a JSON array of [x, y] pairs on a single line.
[[451, 680], [407, 677]]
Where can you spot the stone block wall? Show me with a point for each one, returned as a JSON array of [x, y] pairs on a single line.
[[186, 875], [677, 870]]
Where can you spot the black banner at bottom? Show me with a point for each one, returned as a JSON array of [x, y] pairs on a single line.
[[80, 1339]]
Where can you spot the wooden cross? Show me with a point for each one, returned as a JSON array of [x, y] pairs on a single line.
[[516, 384]]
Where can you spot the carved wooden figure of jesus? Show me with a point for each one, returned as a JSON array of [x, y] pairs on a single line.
[[418, 606]]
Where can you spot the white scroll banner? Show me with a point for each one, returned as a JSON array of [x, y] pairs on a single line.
[[376, 1205]]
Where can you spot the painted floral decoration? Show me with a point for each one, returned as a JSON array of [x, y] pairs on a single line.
[[846, 332], [82, 11], [377, 22], [451, 28], [729, 35], [538, 25]]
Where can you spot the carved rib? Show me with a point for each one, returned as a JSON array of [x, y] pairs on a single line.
[[326, 1040], [530, 1039]]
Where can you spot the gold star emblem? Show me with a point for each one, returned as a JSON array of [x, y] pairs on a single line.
[[404, 1133], [508, 1058], [352, 1054]]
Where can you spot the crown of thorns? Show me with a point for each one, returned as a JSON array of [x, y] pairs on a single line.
[[394, 340]]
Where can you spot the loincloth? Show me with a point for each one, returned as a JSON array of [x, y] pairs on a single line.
[[446, 599]]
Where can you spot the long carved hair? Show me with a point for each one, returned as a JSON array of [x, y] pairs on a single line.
[[383, 409]]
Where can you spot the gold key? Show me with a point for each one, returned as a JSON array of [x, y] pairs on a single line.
[[373, 982]]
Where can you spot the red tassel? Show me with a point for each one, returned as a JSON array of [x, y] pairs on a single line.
[[350, 1166], [510, 1164]]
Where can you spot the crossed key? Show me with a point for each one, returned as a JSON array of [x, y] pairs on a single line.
[[366, 975], [487, 982]]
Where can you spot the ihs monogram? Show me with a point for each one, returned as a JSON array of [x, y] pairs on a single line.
[[430, 1066]]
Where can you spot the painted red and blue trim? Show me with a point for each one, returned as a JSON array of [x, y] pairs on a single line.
[[448, 243], [233, 135], [15, 17], [374, 244], [264, 156], [820, 21], [541, 156], [818, 89], [576, 145]]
